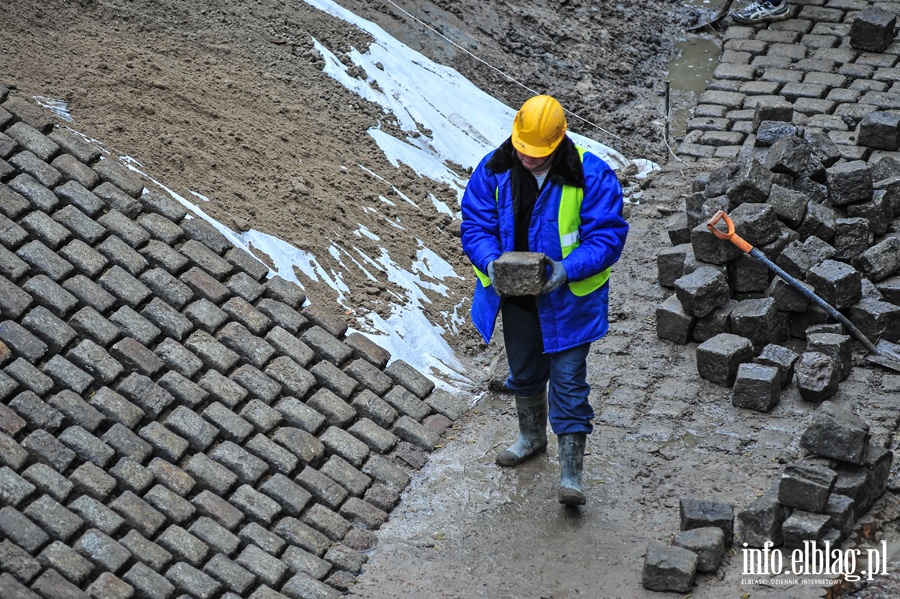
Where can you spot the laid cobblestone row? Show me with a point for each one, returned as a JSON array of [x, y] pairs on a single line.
[[174, 421]]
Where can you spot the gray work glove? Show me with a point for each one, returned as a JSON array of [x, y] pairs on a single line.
[[490, 273], [557, 278]]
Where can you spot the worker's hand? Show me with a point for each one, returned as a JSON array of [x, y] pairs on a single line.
[[490, 273], [557, 279]]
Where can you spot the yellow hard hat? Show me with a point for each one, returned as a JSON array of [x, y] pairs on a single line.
[[539, 126]]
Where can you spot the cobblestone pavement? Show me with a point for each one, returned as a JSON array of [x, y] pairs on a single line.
[[173, 422], [806, 60]]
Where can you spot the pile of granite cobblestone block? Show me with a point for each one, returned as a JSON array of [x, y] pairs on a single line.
[[707, 531], [173, 420], [806, 112], [829, 222], [820, 497]]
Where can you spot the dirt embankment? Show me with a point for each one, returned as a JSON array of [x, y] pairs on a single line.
[[228, 99], [605, 61]]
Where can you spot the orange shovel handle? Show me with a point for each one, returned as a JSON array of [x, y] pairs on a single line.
[[729, 235]]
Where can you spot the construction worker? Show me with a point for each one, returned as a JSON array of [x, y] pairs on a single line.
[[539, 192]]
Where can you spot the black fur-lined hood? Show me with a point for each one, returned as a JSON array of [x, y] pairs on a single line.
[[566, 169]]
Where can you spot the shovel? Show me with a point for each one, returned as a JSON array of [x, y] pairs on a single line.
[[718, 17], [884, 353]]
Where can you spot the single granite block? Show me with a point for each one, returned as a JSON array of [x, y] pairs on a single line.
[[835, 432], [851, 237], [326, 346], [817, 376], [327, 320], [837, 283], [668, 568], [789, 154], [370, 406], [789, 205], [804, 526], [849, 183], [880, 130], [365, 348], [835, 346], [755, 319], [780, 357], [881, 260], [701, 513], [757, 387], [872, 30], [281, 314], [877, 211], [703, 290], [819, 221], [673, 323], [746, 274], [718, 358], [284, 291], [520, 273], [806, 486], [760, 522], [671, 263], [290, 496], [711, 249], [877, 319], [751, 182], [287, 344], [707, 543], [411, 379], [878, 466], [756, 223]]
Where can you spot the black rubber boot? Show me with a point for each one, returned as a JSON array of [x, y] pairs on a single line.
[[571, 463], [532, 440]]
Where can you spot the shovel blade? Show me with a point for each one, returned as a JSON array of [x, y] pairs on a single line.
[[886, 354]]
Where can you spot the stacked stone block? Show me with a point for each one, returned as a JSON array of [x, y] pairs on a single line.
[[706, 530], [174, 421], [819, 497], [827, 226]]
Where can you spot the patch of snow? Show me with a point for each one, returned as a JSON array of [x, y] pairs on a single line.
[[362, 231], [404, 333], [406, 199], [464, 122], [59, 107], [441, 206], [432, 265]]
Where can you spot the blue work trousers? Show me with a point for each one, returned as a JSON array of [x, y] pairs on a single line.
[[530, 368]]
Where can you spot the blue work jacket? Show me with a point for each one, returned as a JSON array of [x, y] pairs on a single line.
[[488, 229]]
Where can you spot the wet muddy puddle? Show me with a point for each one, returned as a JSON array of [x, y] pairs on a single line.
[[694, 63]]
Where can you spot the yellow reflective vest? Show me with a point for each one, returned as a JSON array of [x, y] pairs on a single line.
[[569, 221]]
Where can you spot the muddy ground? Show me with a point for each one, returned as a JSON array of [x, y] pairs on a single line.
[[228, 99]]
